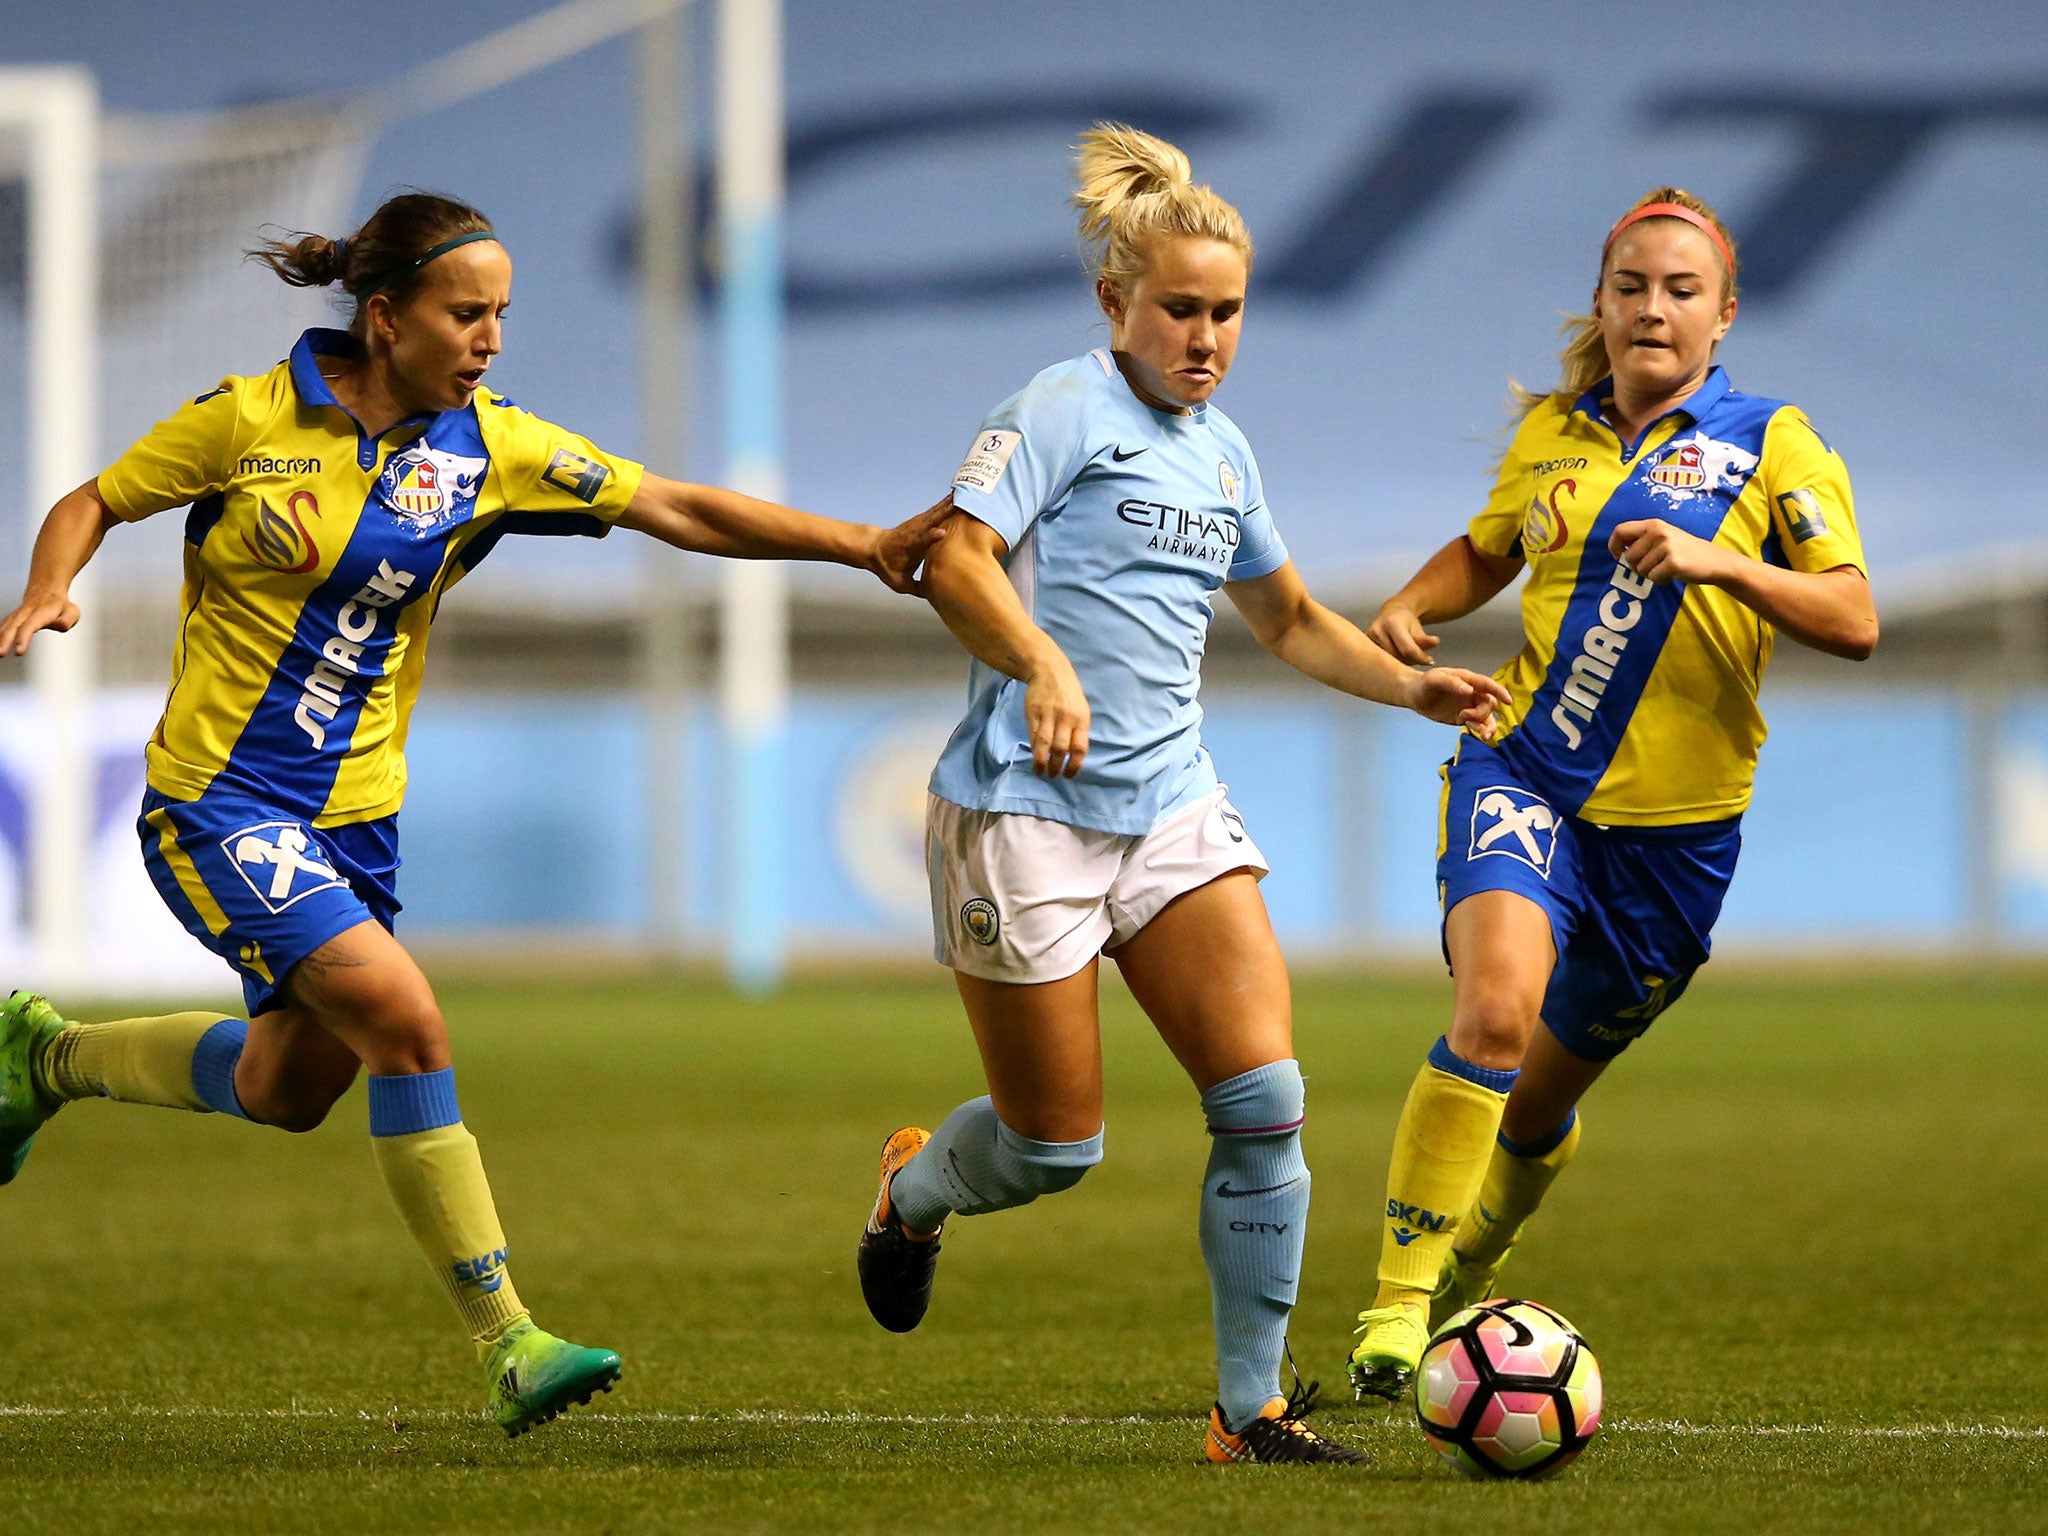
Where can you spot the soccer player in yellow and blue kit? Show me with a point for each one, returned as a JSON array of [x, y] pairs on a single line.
[[1671, 527], [334, 500]]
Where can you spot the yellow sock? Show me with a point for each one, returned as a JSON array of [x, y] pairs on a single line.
[[1440, 1153], [1517, 1179], [431, 1166], [138, 1061]]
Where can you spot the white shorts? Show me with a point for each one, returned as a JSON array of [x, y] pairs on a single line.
[[1021, 899]]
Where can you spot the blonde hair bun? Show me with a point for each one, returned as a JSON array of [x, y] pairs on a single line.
[[1134, 189], [1115, 164]]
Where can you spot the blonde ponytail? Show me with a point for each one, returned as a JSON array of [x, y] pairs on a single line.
[[1135, 190], [1584, 358]]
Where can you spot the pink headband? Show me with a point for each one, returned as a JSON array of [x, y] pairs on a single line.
[[1671, 211]]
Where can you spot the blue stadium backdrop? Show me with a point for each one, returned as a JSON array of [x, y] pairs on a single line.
[[1428, 186]]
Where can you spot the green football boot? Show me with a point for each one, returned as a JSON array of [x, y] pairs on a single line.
[[1383, 1365], [1461, 1284], [536, 1377], [27, 1024]]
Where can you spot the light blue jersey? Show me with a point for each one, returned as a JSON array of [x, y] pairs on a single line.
[[1122, 521]]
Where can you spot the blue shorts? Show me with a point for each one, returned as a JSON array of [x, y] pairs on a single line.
[[1631, 909], [259, 886]]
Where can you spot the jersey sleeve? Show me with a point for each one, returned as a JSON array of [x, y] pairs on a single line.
[[1260, 551], [1025, 456], [1813, 513], [553, 481], [189, 454], [1497, 530]]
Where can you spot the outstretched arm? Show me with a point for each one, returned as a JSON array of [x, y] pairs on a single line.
[[1830, 610], [1331, 649], [69, 536], [1456, 580], [972, 593], [714, 521]]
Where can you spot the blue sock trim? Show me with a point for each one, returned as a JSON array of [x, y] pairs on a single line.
[[1444, 1059], [213, 1066], [1542, 1146], [419, 1101]]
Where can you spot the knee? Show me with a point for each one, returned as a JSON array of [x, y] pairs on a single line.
[[1491, 1025], [297, 1108], [407, 1030], [298, 1118]]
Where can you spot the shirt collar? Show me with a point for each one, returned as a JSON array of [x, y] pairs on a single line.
[[1696, 405], [315, 344], [314, 389]]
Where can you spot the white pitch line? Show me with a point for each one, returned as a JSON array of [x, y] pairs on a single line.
[[1649, 1427]]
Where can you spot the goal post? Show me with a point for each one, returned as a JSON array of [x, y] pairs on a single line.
[[754, 594], [53, 114]]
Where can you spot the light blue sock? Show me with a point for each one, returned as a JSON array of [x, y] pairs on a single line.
[[975, 1164], [1254, 1218]]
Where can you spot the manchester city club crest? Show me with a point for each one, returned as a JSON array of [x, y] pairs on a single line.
[[1226, 481], [981, 920], [428, 489]]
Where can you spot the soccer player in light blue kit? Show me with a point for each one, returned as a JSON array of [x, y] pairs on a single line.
[[1075, 811]]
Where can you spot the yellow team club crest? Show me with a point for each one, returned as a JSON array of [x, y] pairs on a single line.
[[1226, 480], [418, 492], [1684, 469]]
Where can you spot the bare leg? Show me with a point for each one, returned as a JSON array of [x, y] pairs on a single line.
[[1553, 1081], [1041, 1049], [1502, 955], [1208, 973]]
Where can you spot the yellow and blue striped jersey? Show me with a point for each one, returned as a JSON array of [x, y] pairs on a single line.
[[315, 556], [1636, 704]]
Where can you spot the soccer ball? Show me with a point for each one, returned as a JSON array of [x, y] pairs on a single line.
[[1508, 1389]]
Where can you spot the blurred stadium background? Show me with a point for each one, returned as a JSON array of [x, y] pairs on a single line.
[[1428, 187]]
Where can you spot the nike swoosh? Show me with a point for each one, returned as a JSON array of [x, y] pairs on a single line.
[[1228, 1193], [1120, 456]]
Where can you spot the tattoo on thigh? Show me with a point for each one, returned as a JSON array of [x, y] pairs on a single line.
[[317, 968]]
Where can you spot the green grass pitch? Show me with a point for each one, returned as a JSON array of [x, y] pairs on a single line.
[[1804, 1237]]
